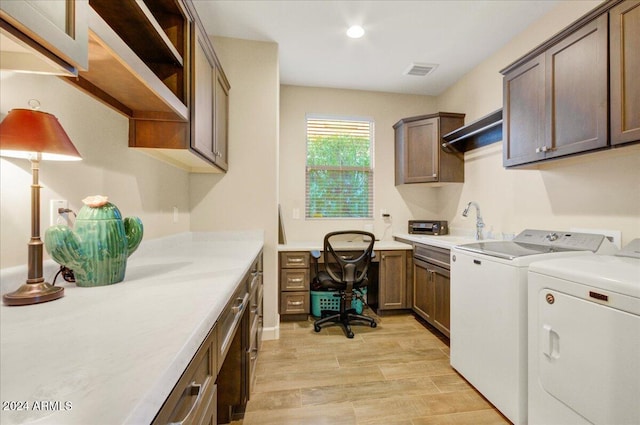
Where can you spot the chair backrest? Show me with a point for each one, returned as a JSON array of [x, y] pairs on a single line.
[[353, 267]]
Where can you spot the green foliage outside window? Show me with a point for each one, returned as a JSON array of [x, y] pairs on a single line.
[[339, 176]]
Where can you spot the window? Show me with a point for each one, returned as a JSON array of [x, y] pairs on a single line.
[[339, 168]]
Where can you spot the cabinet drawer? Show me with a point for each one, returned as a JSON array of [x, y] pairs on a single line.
[[294, 260], [194, 397], [294, 303], [432, 254], [294, 280], [229, 322], [255, 304]]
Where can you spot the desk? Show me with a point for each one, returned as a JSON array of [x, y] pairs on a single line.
[[392, 270]]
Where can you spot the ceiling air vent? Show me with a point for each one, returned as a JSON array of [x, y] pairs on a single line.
[[420, 69]]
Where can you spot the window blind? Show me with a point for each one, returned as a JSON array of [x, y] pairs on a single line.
[[339, 169]]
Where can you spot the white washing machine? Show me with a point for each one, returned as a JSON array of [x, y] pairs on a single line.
[[489, 310], [584, 340]]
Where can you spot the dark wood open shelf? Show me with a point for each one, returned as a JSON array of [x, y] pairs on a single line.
[[480, 132]]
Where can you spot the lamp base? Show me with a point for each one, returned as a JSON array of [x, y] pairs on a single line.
[[33, 293]]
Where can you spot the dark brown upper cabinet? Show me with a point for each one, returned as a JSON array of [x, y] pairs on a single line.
[[419, 154], [556, 98], [624, 42]]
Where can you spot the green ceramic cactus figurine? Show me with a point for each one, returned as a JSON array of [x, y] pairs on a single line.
[[98, 248]]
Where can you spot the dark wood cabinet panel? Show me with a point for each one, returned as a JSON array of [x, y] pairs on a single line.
[[202, 103], [524, 102], [431, 286], [442, 299], [576, 92], [392, 281], [419, 155], [625, 72], [221, 117], [423, 291]]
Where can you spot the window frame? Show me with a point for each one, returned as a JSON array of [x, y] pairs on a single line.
[[370, 169]]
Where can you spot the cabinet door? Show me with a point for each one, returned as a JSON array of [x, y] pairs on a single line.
[[202, 105], [441, 287], [523, 111], [625, 72], [423, 291], [60, 26], [421, 148], [392, 282], [221, 112], [576, 92]]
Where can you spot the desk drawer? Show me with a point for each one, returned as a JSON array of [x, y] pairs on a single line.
[[294, 260], [294, 303], [294, 280]]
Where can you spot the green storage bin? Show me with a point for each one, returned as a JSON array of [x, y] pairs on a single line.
[[325, 300]]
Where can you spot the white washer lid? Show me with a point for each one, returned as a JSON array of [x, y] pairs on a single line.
[[615, 274]]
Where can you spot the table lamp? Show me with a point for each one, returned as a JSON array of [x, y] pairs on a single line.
[[35, 135]]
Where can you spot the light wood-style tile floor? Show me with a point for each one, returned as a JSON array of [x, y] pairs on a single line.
[[395, 374]]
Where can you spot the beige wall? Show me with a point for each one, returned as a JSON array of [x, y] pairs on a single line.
[[245, 198], [385, 109], [598, 190], [138, 184]]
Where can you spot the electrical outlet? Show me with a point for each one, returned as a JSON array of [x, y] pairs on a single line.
[[54, 207]]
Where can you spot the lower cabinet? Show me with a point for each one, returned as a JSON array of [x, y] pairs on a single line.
[[217, 383], [431, 286], [294, 285], [393, 281]]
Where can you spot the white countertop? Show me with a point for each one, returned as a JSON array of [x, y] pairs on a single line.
[[317, 245], [112, 354], [443, 241]]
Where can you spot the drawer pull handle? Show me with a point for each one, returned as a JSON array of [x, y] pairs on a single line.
[[296, 260], [295, 302], [295, 279], [239, 307], [193, 389]]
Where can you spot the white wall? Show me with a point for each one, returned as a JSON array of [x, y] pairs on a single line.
[[386, 109], [138, 184], [598, 190], [245, 198]]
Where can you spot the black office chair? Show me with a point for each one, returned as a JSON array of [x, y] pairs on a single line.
[[343, 274]]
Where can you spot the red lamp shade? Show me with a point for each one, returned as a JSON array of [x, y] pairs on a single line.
[[24, 133]]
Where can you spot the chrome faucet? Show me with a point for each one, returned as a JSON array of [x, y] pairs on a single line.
[[479, 222]]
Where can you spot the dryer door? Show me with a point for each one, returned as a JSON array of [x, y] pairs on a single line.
[[589, 357]]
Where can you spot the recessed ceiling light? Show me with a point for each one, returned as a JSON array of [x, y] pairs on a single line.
[[356, 31]]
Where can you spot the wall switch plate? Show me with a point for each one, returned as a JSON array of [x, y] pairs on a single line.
[[54, 207], [296, 213]]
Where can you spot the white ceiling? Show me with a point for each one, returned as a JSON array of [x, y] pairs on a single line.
[[314, 50]]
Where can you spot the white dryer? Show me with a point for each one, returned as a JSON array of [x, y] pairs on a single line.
[[584, 340]]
